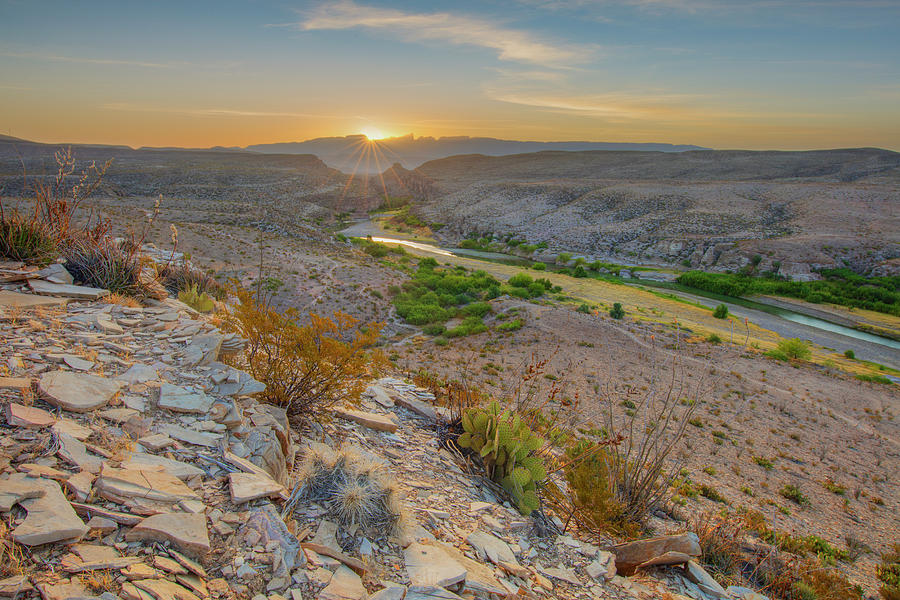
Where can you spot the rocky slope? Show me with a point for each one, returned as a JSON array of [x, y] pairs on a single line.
[[710, 209], [136, 465]]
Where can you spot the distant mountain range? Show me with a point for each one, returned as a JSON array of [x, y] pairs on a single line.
[[356, 152]]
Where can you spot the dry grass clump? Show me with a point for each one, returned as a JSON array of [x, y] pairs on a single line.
[[889, 574], [721, 540], [181, 277], [25, 239], [353, 490], [103, 263], [12, 555]]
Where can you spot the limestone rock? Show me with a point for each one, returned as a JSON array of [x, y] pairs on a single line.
[[17, 300], [138, 373], [50, 516], [39, 286], [151, 462], [370, 420], [393, 592], [27, 416], [120, 485], [178, 399], [344, 585], [198, 438], [704, 580], [430, 592], [603, 567], [247, 486], [80, 484], [265, 522], [163, 589], [15, 586], [64, 590], [187, 531], [632, 554], [77, 392], [491, 547], [203, 349], [431, 566], [75, 452]]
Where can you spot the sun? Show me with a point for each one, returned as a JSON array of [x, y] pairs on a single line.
[[373, 133]]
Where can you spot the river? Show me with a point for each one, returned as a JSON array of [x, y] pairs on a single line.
[[784, 322]]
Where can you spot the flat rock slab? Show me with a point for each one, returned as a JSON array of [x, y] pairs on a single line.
[[178, 399], [370, 420], [15, 586], [15, 383], [430, 592], [28, 416], [74, 451], [490, 546], [50, 516], [119, 485], [64, 590], [380, 395], [187, 531], [139, 373], [633, 554], [90, 557], [77, 392], [198, 438], [142, 461], [163, 589], [431, 566], [79, 364], [17, 300], [419, 407], [247, 486], [39, 286], [344, 585]]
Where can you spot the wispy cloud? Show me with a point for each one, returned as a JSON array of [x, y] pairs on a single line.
[[94, 61], [212, 112], [510, 44]]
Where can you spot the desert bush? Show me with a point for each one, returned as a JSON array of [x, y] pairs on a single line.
[[26, 240], [539, 266], [592, 488], [514, 325], [643, 467], [563, 258], [521, 280], [793, 493], [353, 490], [469, 326], [579, 272], [102, 263], [794, 349], [714, 339], [306, 367], [874, 378], [721, 539], [720, 312], [199, 301], [177, 278], [889, 574], [434, 329], [617, 312], [509, 450], [850, 354]]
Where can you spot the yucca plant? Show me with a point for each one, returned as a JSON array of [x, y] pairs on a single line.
[[26, 240]]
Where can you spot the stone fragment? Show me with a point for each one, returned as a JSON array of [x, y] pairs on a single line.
[[91, 557], [56, 273], [89, 511], [561, 573], [194, 583], [80, 484], [198, 438], [266, 524], [380, 395], [187, 531], [189, 564], [64, 589], [632, 554], [50, 517], [203, 349], [70, 427], [75, 452], [479, 577], [431, 566], [79, 364], [392, 592], [130, 592], [120, 485], [420, 408], [156, 442], [138, 373], [430, 592], [102, 525], [344, 585], [491, 547], [742, 593], [28, 416], [178, 399], [164, 563], [603, 567], [39, 286], [704, 580], [163, 589], [15, 586], [15, 383], [17, 300], [107, 326], [77, 392], [370, 420], [141, 461], [246, 486], [140, 571]]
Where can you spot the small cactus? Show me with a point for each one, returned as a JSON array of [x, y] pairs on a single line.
[[507, 446], [199, 301]]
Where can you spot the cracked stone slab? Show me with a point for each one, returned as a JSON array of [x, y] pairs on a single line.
[[178, 399], [50, 516], [431, 566], [77, 392], [187, 531], [119, 485]]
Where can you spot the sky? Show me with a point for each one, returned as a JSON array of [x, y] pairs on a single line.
[[756, 74]]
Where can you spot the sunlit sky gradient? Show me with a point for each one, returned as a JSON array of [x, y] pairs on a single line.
[[727, 74]]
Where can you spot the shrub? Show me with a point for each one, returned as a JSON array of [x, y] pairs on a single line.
[[579, 272], [584, 308], [434, 329], [889, 574], [721, 312], [514, 325], [469, 326], [306, 367], [353, 490], [477, 309], [441, 341], [26, 240], [721, 541], [795, 348], [793, 493], [617, 312], [850, 354], [177, 278], [521, 280], [712, 493], [587, 474], [563, 258], [102, 263], [509, 450], [713, 339], [539, 266], [197, 300], [874, 378]]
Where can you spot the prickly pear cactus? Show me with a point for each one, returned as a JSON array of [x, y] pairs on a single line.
[[507, 447]]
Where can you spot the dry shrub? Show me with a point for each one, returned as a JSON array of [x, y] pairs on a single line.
[[353, 490], [102, 263], [889, 574], [12, 555], [721, 544], [803, 579], [181, 277], [306, 367]]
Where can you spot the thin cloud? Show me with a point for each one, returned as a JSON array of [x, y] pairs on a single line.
[[212, 112], [510, 44], [94, 61]]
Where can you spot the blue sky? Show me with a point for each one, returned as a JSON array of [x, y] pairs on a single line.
[[751, 74]]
